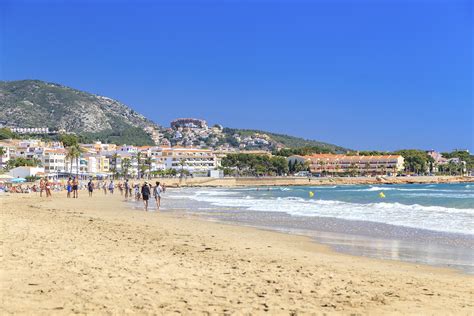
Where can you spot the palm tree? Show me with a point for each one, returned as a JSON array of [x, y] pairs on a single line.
[[126, 164], [367, 168], [2, 152], [139, 158], [182, 163], [114, 164], [321, 163], [73, 153], [78, 158]]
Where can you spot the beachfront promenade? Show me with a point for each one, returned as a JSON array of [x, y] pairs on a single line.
[[99, 256]]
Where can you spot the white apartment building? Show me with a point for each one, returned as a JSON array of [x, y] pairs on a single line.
[[54, 160], [196, 161]]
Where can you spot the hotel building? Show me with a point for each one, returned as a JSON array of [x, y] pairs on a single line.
[[323, 164]]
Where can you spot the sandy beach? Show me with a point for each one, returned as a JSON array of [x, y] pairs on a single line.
[[97, 256]]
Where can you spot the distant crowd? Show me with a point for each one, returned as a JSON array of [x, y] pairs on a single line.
[[72, 187]]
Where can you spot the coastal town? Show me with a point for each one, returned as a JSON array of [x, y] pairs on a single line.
[[193, 149]]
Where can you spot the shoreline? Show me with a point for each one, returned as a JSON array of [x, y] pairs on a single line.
[[304, 181], [64, 256], [360, 237]]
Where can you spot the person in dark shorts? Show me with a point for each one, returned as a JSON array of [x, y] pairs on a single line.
[[126, 186], [75, 187], [146, 194], [90, 187]]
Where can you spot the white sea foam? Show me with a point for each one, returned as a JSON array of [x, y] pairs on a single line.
[[438, 218]]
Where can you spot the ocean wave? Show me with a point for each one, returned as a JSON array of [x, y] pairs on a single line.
[[438, 218]]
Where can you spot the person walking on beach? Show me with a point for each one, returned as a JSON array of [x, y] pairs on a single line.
[[120, 186], [75, 187], [111, 187], [157, 194], [69, 187], [126, 186], [90, 187], [41, 187], [145, 194], [47, 187], [104, 187], [136, 187]]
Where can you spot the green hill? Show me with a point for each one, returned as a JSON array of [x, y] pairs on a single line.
[[286, 141], [35, 103]]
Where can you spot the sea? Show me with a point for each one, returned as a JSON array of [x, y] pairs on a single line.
[[421, 223]]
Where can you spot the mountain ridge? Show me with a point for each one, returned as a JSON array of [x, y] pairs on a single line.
[[37, 103]]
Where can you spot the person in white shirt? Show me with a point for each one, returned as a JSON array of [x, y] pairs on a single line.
[[157, 191]]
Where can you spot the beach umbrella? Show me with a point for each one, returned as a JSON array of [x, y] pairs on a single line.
[[18, 180]]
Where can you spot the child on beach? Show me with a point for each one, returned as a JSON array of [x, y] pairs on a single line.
[[136, 187]]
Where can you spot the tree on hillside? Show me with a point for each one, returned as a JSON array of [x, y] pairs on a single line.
[[69, 140], [6, 133]]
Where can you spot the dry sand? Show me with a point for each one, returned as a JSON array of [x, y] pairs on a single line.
[[95, 256]]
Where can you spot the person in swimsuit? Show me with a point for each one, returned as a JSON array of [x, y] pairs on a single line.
[[69, 187], [157, 191], [75, 187], [41, 187]]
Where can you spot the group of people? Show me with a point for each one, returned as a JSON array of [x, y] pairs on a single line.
[[146, 191], [143, 192], [45, 186], [135, 190], [100, 186]]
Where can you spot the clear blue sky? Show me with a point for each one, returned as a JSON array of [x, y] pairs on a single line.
[[362, 74]]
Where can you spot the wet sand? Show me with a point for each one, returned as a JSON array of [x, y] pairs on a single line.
[[97, 256]]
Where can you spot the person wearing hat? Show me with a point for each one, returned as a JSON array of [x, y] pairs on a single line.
[[145, 194]]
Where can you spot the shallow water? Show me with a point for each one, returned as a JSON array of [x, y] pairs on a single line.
[[430, 224]]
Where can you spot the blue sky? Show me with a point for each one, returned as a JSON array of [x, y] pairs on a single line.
[[361, 74]]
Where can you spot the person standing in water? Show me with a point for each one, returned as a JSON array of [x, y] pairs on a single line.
[[157, 194], [145, 194]]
